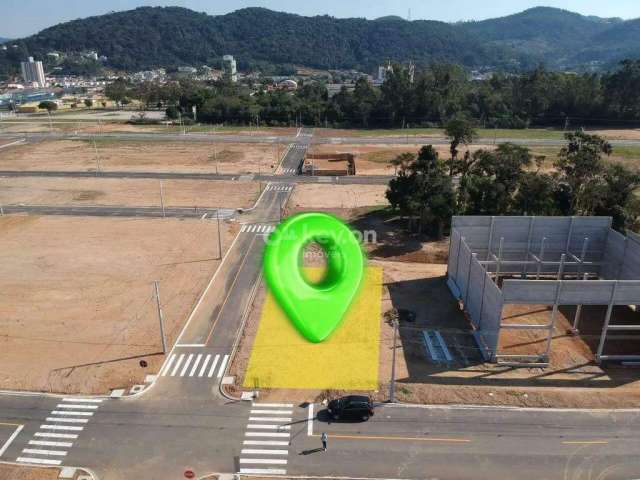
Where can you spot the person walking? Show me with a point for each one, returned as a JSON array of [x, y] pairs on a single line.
[[324, 439]]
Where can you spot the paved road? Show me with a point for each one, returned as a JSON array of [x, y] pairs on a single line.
[[346, 180], [184, 422], [355, 140], [106, 211]]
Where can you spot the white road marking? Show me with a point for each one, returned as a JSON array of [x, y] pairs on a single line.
[[195, 365], [37, 451], [264, 461], [89, 400], [243, 228], [71, 436], [263, 471], [191, 345], [44, 443], [271, 443], [168, 365], [310, 420], [80, 407], [257, 451], [213, 366], [267, 434], [271, 412], [269, 427], [71, 412], [186, 365], [283, 405], [40, 461], [10, 440], [223, 365], [61, 427], [269, 419], [67, 420], [204, 365], [175, 369]]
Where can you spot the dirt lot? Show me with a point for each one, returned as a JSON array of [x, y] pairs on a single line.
[[78, 312], [337, 196], [114, 155], [569, 382], [376, 159], [131, 192], [14, 472], [618, 134]]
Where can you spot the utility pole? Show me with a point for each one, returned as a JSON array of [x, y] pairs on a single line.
[[50, 123], [164, 340], [162, 198], [95, 147], [392, 385], [215, 157], [219, 236]]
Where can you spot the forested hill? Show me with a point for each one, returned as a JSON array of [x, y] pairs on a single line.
[[150, 37]]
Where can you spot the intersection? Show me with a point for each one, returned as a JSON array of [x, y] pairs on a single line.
[[186, 421]]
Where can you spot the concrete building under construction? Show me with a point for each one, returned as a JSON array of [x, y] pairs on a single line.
[[495, 262]]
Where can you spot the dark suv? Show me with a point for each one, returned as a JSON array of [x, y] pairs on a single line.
[[352, 406]]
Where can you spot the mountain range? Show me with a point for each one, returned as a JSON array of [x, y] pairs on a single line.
[[149, 37]]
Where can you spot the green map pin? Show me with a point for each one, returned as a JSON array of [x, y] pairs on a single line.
[[316, 309]]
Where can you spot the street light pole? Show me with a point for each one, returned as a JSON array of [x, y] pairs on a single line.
[[219, 237], [164, 340], [392, 385], [162, 198]]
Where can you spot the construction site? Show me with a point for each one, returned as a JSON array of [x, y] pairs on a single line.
[[516, 276]]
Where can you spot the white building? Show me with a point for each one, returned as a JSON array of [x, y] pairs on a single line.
[[33, 73], [229, 66]]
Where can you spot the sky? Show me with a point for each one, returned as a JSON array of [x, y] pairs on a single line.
[[19, 18]]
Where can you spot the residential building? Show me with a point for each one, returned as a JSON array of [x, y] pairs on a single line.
[[33, 73]]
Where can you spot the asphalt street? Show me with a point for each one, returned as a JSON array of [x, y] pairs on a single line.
[[184, 422], [105, 211], [344, 180], [355, 140]]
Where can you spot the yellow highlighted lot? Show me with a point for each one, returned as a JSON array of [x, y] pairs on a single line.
[[347, 360]]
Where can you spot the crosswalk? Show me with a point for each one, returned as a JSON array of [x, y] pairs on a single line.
[[267, 438], [300, 146], [289, 171], [51, 443], [257, 228], [197, 365], [277, 187]]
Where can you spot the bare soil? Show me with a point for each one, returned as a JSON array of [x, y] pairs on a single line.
[[78, 313], [618, 134], [115, 155], [337, 196], [131, 192], [15, 472], [375, 159], [572, 380]]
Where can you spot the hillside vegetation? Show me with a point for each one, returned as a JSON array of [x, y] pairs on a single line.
[[150, 37]]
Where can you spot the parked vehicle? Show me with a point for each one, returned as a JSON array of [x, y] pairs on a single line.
[[352, 406]]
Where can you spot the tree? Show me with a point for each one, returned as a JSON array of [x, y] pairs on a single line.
[[493, 179], [402, 161], [536, 195], [117, 91], [48, 105], [423, 189], [88, 103], [611, 194], [580, 162], [459, 130]]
